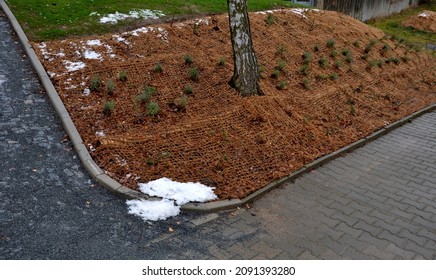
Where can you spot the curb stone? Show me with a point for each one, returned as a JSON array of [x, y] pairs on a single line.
[[99, 175]]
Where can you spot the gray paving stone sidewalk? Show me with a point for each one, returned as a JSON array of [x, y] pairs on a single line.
[[378, 202]]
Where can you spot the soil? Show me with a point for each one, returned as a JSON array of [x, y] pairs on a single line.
[[236, 144], [425, 21]]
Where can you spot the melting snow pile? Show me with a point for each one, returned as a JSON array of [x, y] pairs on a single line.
[[144, 14], [174, 195]]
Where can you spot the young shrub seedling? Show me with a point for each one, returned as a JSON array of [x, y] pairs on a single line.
[[95, 83], [275, 74], [316, 48], [108, 107], [304, 69], [334, 76], [281, 65], [122, 76], [188, 59], [330, 43], [270, 18], [193, 73], [307, 56], [323, 62], [338, 63], [222, 61], [110, 87], [153, 109], [146, 94], [188, 89], [281, 50], [306, 84], [158, 68], [281, 85]]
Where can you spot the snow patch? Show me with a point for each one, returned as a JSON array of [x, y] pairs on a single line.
[[88, 54], [86, 91], [144, 14], [153, 210], [93, 43], [73, 66], [174, 195], [424, 14], [100, 133]]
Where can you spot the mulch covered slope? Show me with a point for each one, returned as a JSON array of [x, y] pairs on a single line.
[[236, 144], [425, 21]]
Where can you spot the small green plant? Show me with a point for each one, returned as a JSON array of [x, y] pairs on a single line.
[[153, 109], [275, 74], [333, 53], [322, 77], [338, 63], [281, 65], [306, 84], [307, 56], [395, 60], [261, 69], [370, 45], [316, 48], [375, 63], [281, 50], [385, 48], [181, 103], [270, 19], [281, 85], [122, 76], [188, 59], [323, 62], [334, 76], [222, 61], [349, 57], [304, 69], [95, 83], [158, 68], [146, 94], [188, 89], [110, 87], [356, 44], [331, 43], [365, 56], [193, 73], [108, 107], [352, 110], [345, 52], [405, 58]]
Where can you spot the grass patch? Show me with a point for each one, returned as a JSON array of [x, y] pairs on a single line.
[[46, 19], [392, 25]]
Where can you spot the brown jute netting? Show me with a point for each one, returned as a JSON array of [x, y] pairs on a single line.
[[221, 139]]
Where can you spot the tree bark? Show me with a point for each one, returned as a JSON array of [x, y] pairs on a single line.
[[246, 73]]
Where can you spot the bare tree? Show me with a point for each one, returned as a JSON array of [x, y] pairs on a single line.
[[246, 73]]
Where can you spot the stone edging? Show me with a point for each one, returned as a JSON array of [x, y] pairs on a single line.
[[106, 181]]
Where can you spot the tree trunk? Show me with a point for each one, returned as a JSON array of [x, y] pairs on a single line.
[[246, 73]]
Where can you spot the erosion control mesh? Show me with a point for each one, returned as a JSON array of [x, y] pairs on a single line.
[[353, 81]]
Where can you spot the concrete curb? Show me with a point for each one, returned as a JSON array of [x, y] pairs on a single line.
[[103, 179]]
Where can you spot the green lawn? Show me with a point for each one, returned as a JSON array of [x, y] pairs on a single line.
[[53, 19], [392, 26]]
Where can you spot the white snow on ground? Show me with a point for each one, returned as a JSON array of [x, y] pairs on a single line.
[[73, 66], [153, 210], [91, 54], [93, 43], [144, 14], [86, 91], [298, 11], [424, 14], [174, 195]]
